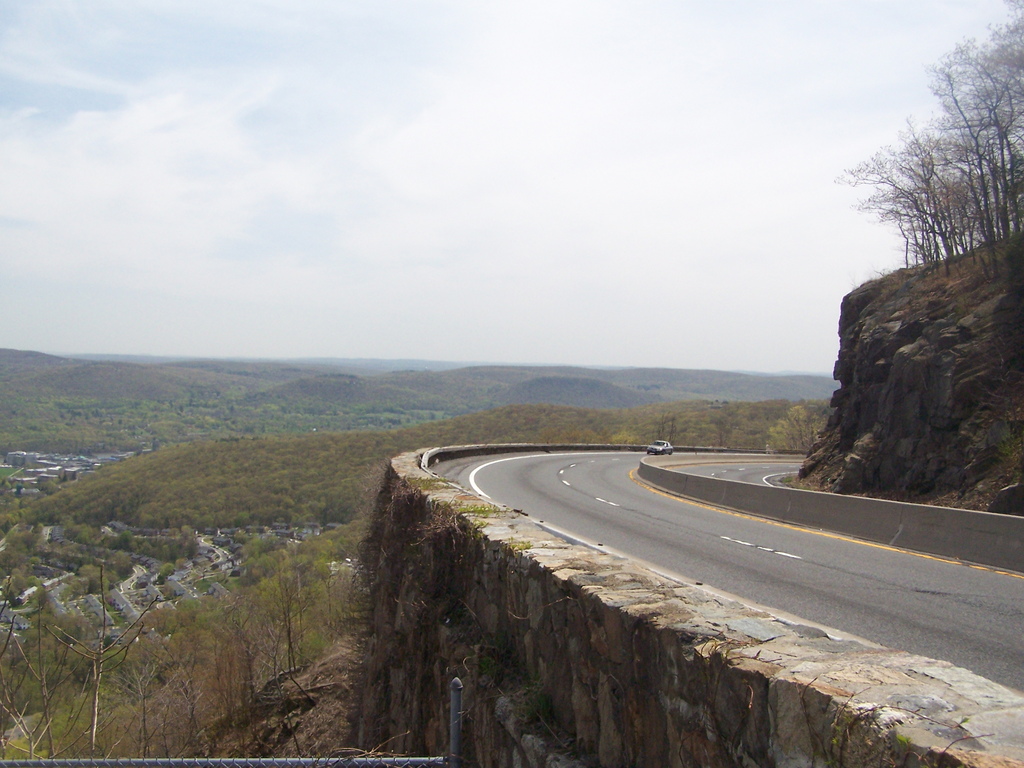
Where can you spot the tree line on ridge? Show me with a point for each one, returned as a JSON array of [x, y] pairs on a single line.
[[955, 184]]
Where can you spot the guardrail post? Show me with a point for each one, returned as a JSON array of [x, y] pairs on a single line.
[[455, 729]]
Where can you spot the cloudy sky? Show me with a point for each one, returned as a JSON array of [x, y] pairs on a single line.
[[634, 183]]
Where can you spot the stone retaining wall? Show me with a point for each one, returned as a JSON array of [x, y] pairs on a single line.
[[573, 657]]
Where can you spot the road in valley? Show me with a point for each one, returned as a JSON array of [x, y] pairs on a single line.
[[971, 616]]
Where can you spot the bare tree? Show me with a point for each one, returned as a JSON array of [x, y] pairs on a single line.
[[37, 673], [102, 656], [666, 429], [958, 183], [135, 684]]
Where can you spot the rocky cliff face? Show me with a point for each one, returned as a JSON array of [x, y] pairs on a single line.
[[931, 399]]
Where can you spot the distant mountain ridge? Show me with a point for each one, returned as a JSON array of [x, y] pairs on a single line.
[[49, 400], [657, 384], [670, 383], [365, 365], [579, 391], [15, 361]]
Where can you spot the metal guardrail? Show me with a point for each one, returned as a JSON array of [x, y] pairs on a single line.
[[453, 759]]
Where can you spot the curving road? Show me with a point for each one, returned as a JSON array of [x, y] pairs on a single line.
[[971, 616], [756, 469]]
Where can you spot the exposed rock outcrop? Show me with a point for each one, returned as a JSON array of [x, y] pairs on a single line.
[[931, 398]]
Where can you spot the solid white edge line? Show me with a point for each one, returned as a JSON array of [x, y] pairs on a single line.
[[777, 474], [783, 616], [478, 490]]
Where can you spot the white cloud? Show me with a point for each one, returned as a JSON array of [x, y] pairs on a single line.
[[533, 174]]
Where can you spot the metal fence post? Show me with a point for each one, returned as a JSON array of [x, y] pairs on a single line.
[[455, 730]]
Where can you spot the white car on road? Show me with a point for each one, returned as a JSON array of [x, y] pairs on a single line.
[[660, 448]]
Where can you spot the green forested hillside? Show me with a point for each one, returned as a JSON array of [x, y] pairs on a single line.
[[288, 605], [16, 361], [321, 477], [61, 405], [336, 392], [575, 390], [257, 372]]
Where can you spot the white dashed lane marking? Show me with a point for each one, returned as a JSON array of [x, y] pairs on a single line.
[[763, 549]]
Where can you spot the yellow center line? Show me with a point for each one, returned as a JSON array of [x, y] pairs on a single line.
[[825, 534]]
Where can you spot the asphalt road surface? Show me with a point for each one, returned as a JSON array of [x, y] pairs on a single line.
[[969, 615], [754, 470]]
